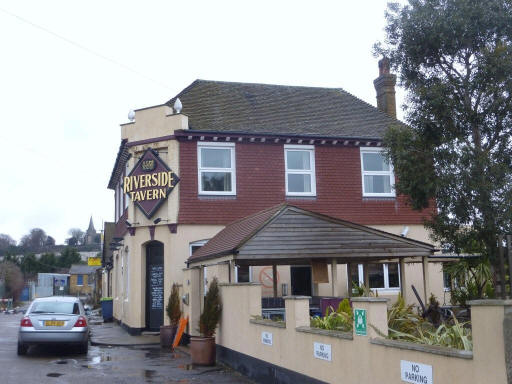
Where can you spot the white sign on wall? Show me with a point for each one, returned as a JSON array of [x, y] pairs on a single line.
[[415, 373], [266, 338], [322, 351]]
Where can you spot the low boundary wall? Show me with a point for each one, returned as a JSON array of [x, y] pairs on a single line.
[[292, 352]]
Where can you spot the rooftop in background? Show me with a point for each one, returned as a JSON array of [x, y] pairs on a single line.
[[79, 269], [219, 106]]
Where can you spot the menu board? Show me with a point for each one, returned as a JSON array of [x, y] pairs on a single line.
[[156, 276]]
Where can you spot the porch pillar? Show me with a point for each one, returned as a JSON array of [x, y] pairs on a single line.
[[334, 277], [403, 282], [366, 275], [274, 279], [349, 279], [426, 281]]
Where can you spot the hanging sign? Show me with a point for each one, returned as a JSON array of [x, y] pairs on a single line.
[[360, 321], [322, 351], [415, 373], [149, 183], [266, 338]]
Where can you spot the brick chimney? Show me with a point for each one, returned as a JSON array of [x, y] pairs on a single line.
[[385, 87]]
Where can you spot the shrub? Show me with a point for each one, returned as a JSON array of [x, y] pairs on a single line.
[[212, 310], [405, 324], [173, 306], [340, 319]]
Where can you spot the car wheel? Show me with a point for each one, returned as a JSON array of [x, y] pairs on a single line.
[[22, 349], [84, 348]]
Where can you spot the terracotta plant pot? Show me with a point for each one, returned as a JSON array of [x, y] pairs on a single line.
[[202, 350], [167, 333]]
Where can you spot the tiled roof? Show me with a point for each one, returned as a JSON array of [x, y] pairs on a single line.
[[79, 269], [239, 235], [283, 110], [235, 233]]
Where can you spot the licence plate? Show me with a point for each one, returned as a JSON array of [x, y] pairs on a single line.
[[54, 323]]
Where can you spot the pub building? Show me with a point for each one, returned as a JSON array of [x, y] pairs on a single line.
[[231, 161]]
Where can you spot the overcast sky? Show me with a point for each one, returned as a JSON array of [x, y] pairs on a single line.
[[70, 72]]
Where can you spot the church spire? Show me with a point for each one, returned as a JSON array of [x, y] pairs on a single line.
[[91, 227]]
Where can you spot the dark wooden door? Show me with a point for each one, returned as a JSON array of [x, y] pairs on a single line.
[[154, 286], [301, 281]]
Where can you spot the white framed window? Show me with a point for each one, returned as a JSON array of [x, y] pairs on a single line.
[[126, 195], [299, 162], [194, 246], [116, 202], [126, 276], [119, 199], [376, 173], [216, 170], [383, 277]]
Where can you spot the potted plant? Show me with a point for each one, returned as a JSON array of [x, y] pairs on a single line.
[[202, 348], [173, 310]]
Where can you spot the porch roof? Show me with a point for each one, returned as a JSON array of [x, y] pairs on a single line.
[[285, 234]]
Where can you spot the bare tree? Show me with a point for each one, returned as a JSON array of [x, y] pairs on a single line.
[[77, 236], [11, 276], [35, 240], [6, 242]]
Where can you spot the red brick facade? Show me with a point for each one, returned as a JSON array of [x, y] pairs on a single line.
[[260, 178]]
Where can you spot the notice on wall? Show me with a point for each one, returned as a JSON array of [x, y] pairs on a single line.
[[322, 351], [157, 286], [415, 372], [360, 321], [266, 338]]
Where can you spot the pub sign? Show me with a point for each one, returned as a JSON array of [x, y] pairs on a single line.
[[149, 183]]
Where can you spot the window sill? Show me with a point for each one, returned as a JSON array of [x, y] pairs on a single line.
[[300, 197], [386, 290], [216, 197], [379, 197]]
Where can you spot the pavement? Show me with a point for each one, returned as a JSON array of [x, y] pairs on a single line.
[[112, 334], [109, 364]]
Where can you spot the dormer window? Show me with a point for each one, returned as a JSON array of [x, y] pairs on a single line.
[[216, 168], [377, 174]]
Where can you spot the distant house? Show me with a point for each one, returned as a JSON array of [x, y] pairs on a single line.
[[82, 279]]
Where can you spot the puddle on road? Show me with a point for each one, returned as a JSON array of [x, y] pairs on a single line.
[[54, 374], [149, 373], [186, 367]]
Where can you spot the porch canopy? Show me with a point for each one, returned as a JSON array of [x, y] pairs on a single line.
[[288, 235]]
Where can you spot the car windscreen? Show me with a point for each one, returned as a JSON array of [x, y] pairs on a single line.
[[55, 307]]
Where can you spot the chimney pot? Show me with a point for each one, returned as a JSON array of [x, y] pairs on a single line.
[[384, 66]]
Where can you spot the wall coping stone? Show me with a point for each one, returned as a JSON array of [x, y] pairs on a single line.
[[369, 299], [237, 284], [434, 349], [326, 332], [489, 303], [270, 323], [297, 297]]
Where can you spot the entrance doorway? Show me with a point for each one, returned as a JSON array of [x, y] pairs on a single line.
[[154, 285], [301, 280]]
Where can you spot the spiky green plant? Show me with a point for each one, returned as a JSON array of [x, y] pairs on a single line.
[[405, 324], [340, 319]]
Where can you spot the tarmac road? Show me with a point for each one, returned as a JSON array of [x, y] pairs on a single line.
[[101, 365]]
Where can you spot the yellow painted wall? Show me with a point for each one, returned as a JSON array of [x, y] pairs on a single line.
[[358, 360]]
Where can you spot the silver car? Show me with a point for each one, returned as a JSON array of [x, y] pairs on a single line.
[[54, 320]]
